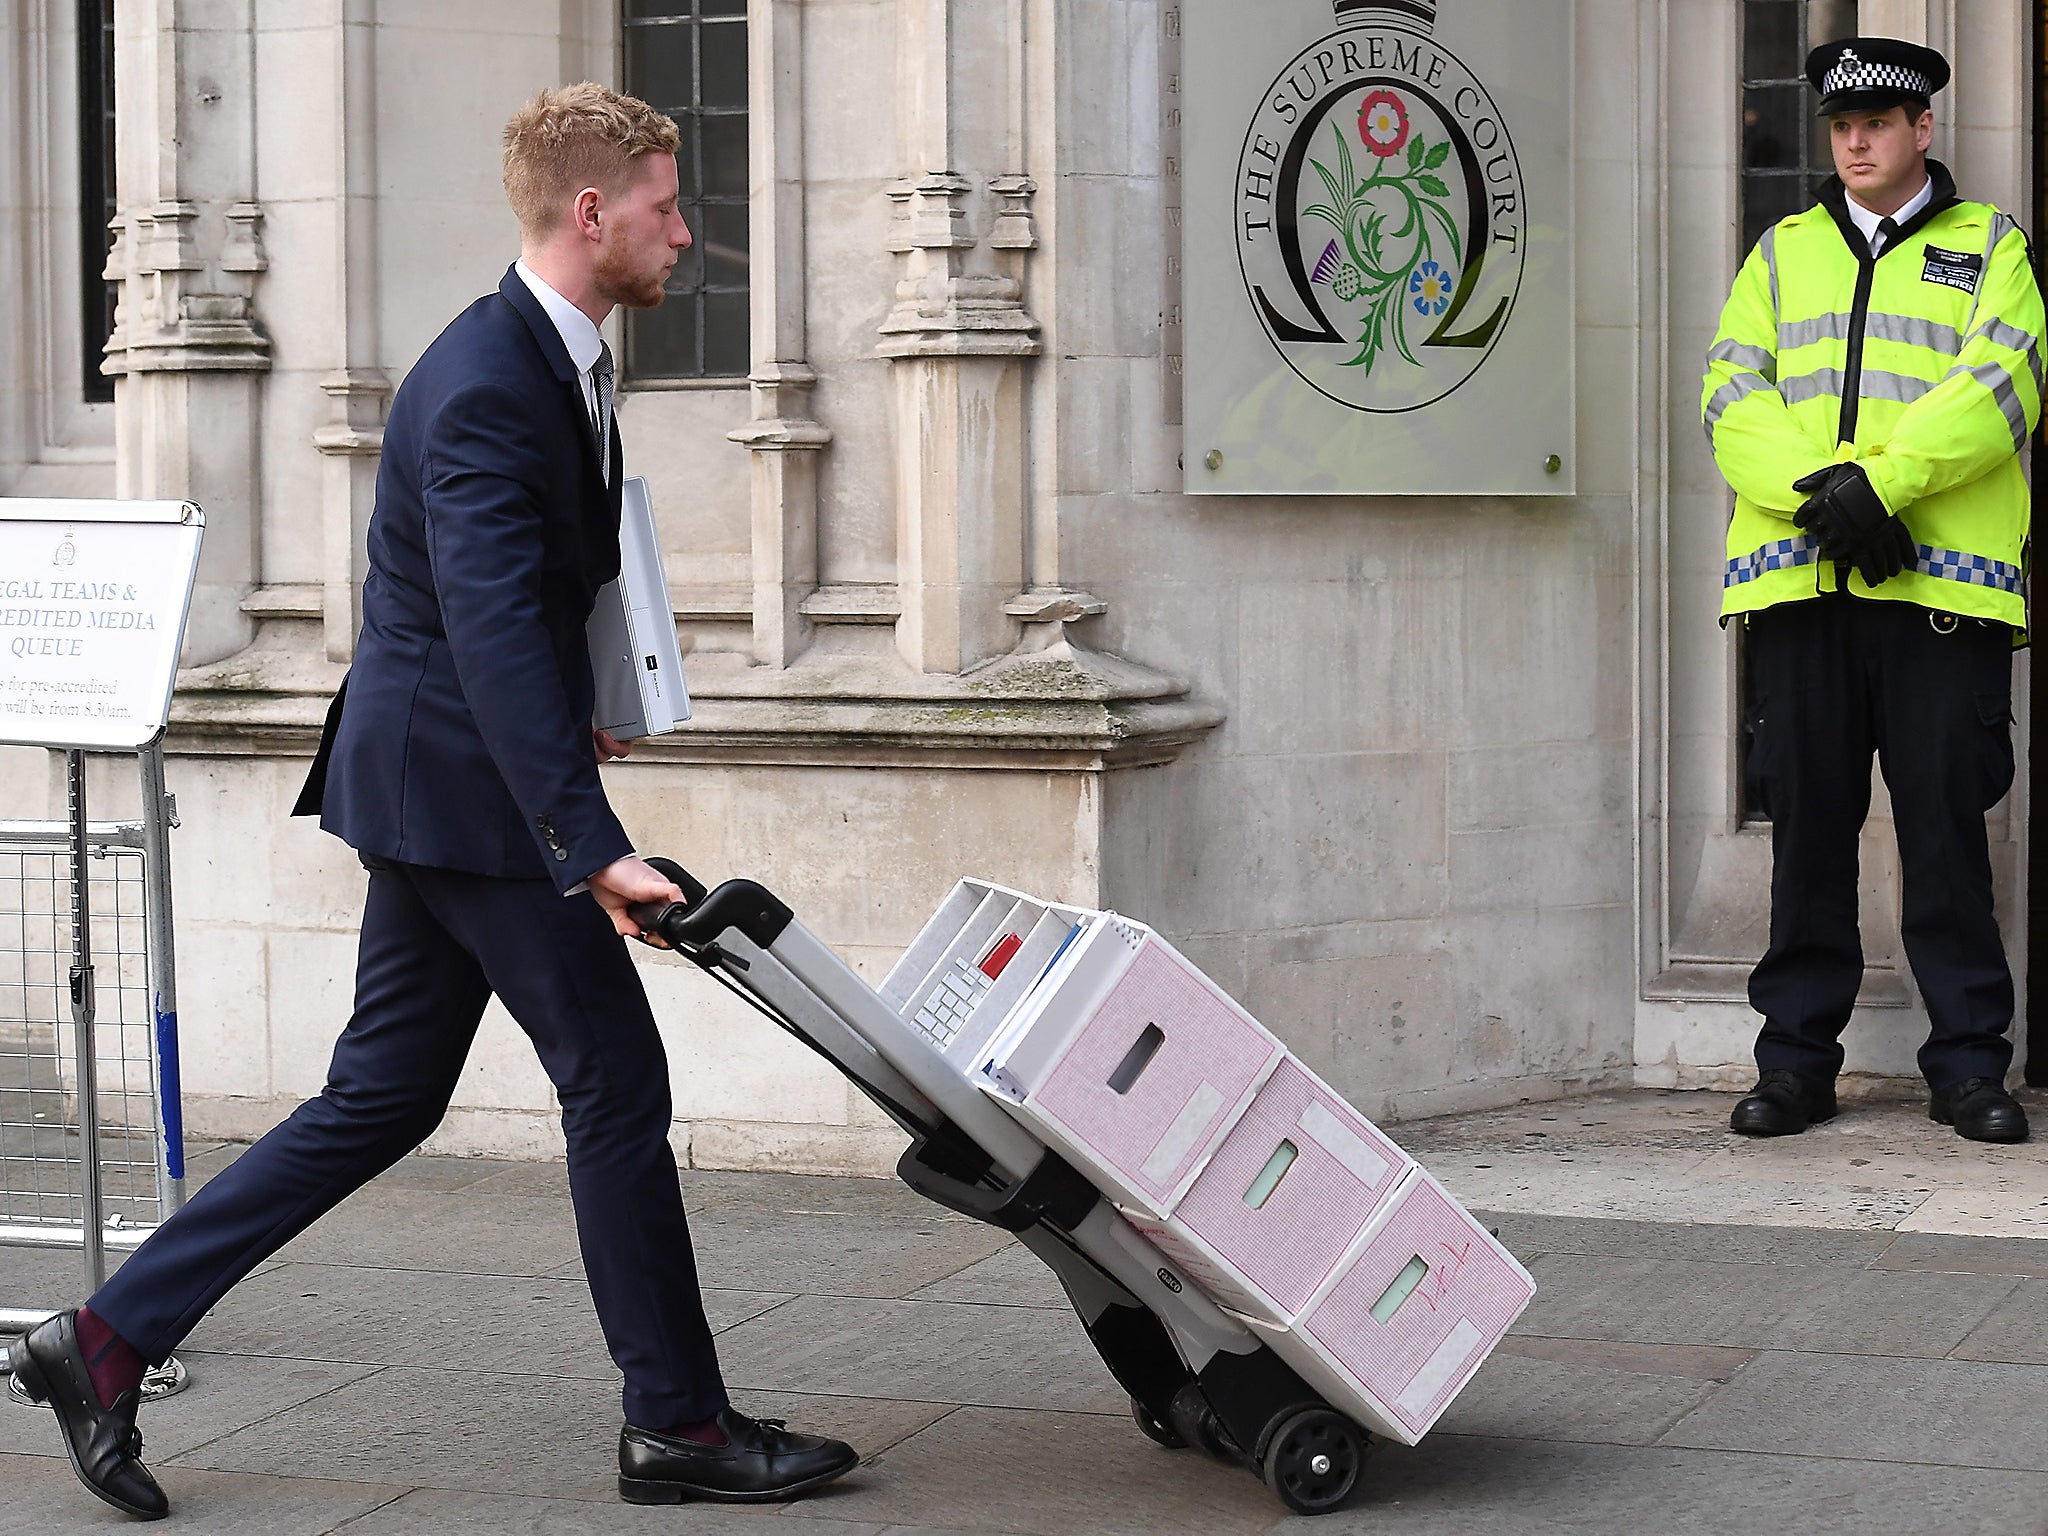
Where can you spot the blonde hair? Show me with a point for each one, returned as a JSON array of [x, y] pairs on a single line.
[[572, 137]]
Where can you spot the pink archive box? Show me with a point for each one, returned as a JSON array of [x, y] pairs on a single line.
[[1147, 1142], [1281, 1251], [1409, 1367]]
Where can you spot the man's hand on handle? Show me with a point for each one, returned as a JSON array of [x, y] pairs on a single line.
[[625, 883], [608, 746]]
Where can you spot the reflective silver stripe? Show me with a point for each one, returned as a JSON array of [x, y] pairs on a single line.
[[1804, 333], [1768, 246], [1975, 570], [1908, 329], [1743, 355], [1826, 384], [1781, 554], [1997, 378], [1822, 383], [1742, 384], [1914, 332], [1999, 334]]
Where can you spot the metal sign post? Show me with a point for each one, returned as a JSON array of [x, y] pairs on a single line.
[[93, 599]]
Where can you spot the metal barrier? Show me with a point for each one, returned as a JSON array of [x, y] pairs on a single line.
[[91, 1141]]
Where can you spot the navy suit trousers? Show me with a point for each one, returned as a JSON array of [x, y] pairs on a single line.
[[436, 944], [1838, 678]]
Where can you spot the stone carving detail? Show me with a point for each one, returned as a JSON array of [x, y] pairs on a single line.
[[168, 320], [942, 308]]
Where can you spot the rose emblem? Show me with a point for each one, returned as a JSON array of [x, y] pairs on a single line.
[[1383, 124]]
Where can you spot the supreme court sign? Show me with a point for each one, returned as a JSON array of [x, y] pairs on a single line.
[[93, 597], [1377, 246]]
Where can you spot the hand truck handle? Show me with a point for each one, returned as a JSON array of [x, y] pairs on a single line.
[[693, 923]]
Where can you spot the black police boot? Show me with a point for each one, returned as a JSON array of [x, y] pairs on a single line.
[[1980, 1109], [1783, 1104]]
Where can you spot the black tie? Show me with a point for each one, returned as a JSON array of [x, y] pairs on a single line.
[[601, 379], [1887, 232]]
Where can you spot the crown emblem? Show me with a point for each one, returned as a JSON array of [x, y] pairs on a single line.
[[1417, 15]]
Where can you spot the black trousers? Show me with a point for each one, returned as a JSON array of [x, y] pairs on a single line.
[[435, 945], [1838, 678]]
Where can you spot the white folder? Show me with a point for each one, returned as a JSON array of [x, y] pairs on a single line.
[[634, 657]]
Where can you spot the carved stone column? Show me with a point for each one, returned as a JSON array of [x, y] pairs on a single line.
[[188, 351], [351, 440], [784, 439]]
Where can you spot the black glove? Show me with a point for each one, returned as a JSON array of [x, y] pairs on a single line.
[[1852, 525]]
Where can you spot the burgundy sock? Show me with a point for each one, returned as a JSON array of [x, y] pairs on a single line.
[[704, 1432], [112, 1360]]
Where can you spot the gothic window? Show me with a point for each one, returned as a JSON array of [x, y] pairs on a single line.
[[689, 59], [96, 205]]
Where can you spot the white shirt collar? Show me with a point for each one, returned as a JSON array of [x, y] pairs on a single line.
[[577, 332], [1867, 221]]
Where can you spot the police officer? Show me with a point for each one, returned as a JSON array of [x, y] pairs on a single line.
[[1876, 375]]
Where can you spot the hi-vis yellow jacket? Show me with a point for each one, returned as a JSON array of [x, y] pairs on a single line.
[[1923, 366]]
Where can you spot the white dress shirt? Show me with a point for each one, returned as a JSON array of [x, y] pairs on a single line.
[[580, 336], [1864, 219]]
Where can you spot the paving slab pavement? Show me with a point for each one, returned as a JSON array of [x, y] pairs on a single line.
[[1837, 1333]]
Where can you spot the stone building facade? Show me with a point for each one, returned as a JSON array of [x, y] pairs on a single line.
[[1444, 789]]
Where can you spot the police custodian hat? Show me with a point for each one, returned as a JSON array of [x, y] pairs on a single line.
[[1855, 73]]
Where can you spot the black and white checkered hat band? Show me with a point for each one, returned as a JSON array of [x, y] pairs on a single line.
[[1854, 74]]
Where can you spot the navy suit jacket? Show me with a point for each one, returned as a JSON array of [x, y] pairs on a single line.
[[461, 737]]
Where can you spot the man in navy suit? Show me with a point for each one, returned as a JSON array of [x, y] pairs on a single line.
[[459, 760]]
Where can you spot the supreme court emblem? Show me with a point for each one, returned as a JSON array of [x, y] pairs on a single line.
[[1381, 220]]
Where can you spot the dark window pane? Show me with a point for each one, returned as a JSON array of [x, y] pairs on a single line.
[[658, 61], [724, 242], [1773, 126], [725, 334], [725, 64], [96, 201], [688, 272], [1767, 199], [1770, 40], [686, 158], [688, 58], [725, 156], [661, 343]]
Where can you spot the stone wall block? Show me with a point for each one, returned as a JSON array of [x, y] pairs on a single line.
[[223, 1007], [1387, 674], [1289, 841], [726, 1061], [310, 989], [1538, 868]]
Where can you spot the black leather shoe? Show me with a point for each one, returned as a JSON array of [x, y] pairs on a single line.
[[103, 1443], [1783, 1104], [1980, 1109], [760, 1462]]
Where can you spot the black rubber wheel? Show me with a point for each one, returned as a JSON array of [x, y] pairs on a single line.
[[1314, 1460], [1155, 1430]]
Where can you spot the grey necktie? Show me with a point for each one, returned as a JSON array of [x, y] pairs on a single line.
[[601, 377]]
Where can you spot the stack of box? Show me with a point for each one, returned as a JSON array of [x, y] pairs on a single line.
[[1245, 1169]]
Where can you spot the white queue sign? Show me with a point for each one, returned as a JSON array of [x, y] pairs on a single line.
[[93, 597]]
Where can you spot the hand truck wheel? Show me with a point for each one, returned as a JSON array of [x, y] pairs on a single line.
[[1314, 1459], [1194, 1421], [1156, 1430]]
